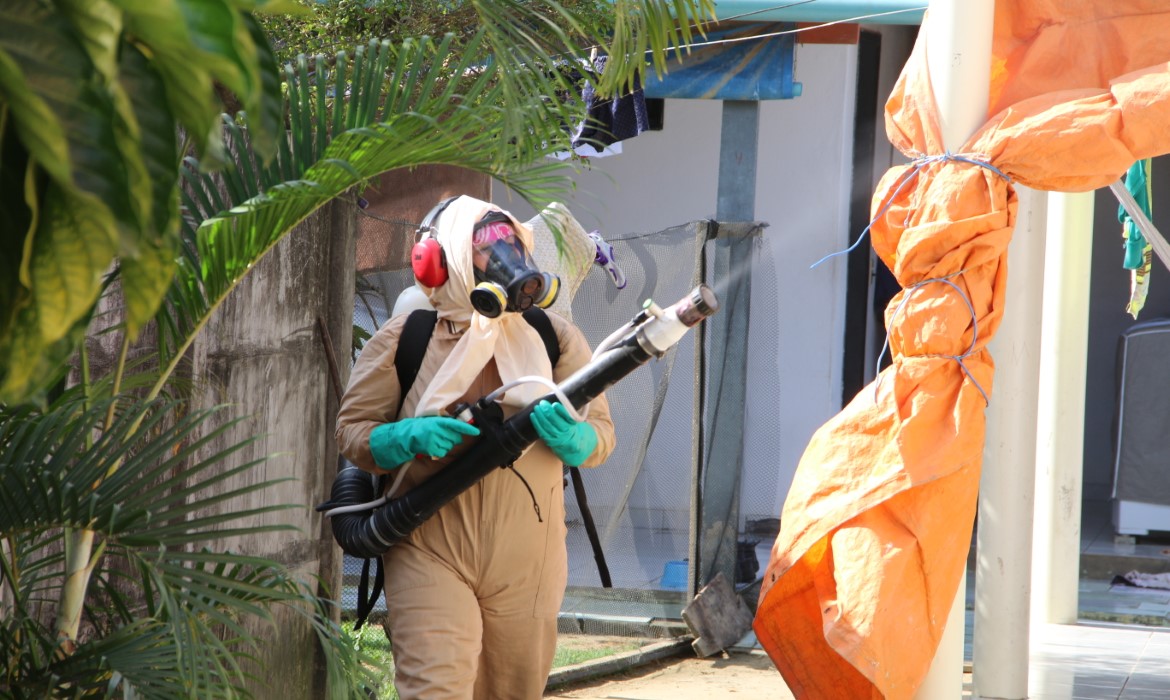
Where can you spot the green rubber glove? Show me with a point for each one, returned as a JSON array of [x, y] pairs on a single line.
[[393, 444], [573, 442]]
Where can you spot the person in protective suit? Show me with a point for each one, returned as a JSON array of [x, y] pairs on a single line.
[[473, 593]]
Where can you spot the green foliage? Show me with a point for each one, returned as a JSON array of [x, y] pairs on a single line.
[[633, 33], [571, 649], [91, 92], [329, 25], [164, 618], [372, 642]]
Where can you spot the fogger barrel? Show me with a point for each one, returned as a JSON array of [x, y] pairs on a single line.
[[500, 443]]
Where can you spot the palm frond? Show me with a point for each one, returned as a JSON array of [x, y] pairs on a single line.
[[650, 32], [170, 615], [393, 106]]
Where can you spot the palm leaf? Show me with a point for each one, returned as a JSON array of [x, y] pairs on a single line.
[[438, 104], [149, 513], [647, 31]]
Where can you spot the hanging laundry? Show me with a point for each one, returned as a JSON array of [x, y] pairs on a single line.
[[1138, 251], [609, 120]]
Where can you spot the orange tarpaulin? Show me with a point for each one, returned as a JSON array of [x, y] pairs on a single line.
[[877, 525]]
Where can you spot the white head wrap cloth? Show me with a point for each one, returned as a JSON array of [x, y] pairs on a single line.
[[515, 345]]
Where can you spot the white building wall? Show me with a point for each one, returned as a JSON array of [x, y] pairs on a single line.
[[669, 177], [805, 166]]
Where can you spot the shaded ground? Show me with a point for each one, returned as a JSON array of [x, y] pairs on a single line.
[[736, 674]]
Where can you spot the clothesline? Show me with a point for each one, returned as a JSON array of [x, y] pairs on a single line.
[[819, 25]]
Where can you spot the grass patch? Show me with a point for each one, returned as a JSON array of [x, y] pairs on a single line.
[[571, 649], [579, 648]]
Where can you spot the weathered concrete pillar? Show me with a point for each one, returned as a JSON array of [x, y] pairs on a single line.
[[262, 353]]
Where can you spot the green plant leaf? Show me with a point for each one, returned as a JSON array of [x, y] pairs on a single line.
[[648, 33], [196, 42], [139, 655], [145, 280], [99, 24], [128, 135], [160, 25], [65, 119], [18, 219], [48, 140], [266, 108], [63, 115], [167, 615], [147, 275], [28, 363], [219, 33], [71, 250]]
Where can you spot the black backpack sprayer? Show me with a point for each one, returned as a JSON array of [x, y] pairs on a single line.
[[367, 528]]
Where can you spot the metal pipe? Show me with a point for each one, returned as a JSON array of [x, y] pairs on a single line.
[[1060, 415], [959, 59]]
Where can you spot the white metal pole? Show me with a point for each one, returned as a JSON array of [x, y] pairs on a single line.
[[1060, 415], [958, 53], [1003, 540]]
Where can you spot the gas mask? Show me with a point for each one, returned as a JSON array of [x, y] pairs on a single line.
[[506, 277]]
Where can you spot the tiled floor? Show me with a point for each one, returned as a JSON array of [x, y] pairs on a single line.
[[1097, 536], [1120, 650], [1096, 661]]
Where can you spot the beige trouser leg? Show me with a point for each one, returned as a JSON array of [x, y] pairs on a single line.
[[517, 650], [435, 626], [466, 576]]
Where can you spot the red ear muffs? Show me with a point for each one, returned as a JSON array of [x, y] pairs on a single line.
[[429, 263]]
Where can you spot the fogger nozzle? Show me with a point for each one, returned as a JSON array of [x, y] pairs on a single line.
[[697, 305], [669, 325]]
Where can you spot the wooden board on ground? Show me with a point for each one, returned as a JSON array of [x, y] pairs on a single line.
[[717, 616]]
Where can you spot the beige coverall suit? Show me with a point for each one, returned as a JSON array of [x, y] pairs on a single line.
[[473, 593]]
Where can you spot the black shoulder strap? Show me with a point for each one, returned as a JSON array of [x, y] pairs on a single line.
[[416, 334], [538, 319], [412, 346]]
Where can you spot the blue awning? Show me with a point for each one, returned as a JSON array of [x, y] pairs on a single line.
[[742, 63]]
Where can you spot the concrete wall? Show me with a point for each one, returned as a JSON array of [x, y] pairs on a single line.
[[398, 201], [262, 354]]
